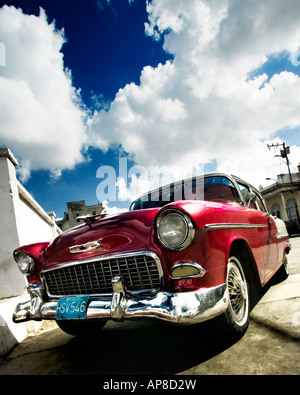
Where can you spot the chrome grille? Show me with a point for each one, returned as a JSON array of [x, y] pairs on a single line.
[[140, 273]]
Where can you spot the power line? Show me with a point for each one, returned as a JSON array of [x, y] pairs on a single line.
[[290, 132]]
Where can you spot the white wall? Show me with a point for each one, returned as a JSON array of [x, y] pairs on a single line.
[[23, 221], [33, 222], [12, 281]]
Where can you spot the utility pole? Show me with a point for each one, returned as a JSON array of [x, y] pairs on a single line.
[[284, 154]]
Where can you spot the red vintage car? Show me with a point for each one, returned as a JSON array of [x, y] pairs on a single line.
[[184, 253]]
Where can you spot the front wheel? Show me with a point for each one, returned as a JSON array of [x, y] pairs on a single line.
[[236, 318]]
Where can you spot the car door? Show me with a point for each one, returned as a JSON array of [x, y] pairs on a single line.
[[268, 238], [266, 229]]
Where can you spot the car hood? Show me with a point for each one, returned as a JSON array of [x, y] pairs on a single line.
[[127, 232], [111, 235]]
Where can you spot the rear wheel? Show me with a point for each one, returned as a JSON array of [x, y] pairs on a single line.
[[283, 272], [81, 328]]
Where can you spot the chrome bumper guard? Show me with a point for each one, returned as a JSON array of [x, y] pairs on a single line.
[[181, 308]]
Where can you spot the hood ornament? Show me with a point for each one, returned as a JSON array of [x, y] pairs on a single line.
[[88, 219], [87, 247]]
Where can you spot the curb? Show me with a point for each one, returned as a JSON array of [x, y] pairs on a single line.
[[279, 308]]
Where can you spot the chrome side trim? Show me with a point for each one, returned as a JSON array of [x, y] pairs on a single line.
[[280, 236], [233, 226]]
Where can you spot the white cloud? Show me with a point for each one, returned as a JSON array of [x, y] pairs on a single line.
[[203, 105], [111, 210], [40, 110], [198, 107]]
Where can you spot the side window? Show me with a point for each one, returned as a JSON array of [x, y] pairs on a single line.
[[220, 189], [245, 191], [260, 203]]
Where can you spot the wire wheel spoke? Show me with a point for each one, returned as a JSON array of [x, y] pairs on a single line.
[[237, 289]]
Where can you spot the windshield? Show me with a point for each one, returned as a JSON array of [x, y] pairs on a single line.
[[213, 188]]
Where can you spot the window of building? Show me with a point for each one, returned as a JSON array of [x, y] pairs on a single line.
[[291, 210], [275, 210]]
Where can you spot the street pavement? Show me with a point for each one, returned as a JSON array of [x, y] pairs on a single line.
[[279, 308]]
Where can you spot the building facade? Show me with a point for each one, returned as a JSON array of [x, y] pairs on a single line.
[[75, 210], [283, 199]]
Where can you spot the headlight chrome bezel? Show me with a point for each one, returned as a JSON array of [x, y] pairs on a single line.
[[189, 231], [25, 262]]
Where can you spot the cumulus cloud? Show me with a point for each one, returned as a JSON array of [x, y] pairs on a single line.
[[40, 111], [210, 102], [111, 210]]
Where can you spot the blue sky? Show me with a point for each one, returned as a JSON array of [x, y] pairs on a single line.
[[106, 48], [164, 83], [98, 37]]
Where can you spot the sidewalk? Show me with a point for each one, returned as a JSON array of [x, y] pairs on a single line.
[[279, 308]]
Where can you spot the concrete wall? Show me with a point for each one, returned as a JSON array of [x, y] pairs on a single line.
[[23, 221], [11, 280]]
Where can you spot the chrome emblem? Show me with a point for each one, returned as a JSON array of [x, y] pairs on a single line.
[[90, 246]]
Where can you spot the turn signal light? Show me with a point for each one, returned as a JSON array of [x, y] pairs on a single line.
[[187, 270]]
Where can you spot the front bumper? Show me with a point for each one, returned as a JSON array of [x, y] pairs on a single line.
[[182, 308]]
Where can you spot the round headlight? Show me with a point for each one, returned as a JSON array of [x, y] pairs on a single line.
[[174, 229], [24, 261]]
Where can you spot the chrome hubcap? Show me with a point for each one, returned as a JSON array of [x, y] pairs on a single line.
[[238, 292]]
